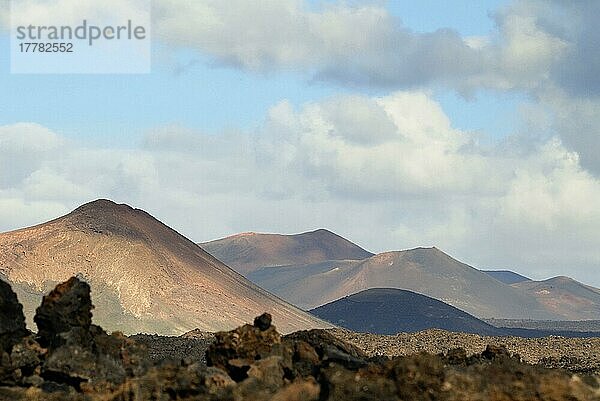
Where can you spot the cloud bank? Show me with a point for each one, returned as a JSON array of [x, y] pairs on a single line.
[[389, 172], [546, 49]]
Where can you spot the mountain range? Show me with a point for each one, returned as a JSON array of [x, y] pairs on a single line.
[[308, 277], [390, 311], [564, 297], [145, 277], [247, 252]]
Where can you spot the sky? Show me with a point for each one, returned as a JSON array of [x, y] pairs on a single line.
[[470, 126]]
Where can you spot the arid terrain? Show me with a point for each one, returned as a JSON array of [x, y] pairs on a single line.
[[315, 268], [145, 277], [70, 359], [427, 271], [565, 297], [390, 310], [247, 252], [431, 272], [579, 355], [551, 325]]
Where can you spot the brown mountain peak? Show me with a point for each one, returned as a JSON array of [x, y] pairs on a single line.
[[146, 276], [249, 252], [100, 206], [104, 216]]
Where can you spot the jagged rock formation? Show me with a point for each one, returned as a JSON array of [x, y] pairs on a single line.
[[69, 354], [12, 321]]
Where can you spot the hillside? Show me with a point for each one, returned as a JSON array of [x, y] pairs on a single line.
[[507, 276], [565, 297], [145, 277], [390, 311], [248, 252], [427, 271]]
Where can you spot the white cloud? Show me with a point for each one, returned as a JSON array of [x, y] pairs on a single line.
[[357, 44], [420, 153], [390, 172], [23, 149], [416, 181], [576, 120], [363, 44], [536, 43], [16, 211]]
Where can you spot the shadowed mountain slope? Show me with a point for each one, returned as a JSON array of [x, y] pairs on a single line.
[[145, 277], [506, 276], [427, 271], [390, 311], [248, 252]]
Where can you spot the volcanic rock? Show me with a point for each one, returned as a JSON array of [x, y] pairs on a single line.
[[12, 320], [236, 351], [64, 313], [80, 352]]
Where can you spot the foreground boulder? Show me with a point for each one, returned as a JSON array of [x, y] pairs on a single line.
[[12, 320], [69, 354], [72, 359], [65, 315]]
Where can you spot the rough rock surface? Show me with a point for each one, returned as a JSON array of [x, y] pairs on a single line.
[[12, 321], [69, 354], [66, 311], [579, 355], [167, 348], [75, 360]]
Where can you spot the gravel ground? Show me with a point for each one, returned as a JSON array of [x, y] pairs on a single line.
[[592, 326], [190, 348], [576, 354]]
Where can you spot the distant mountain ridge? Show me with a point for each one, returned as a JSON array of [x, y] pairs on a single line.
[[308, 281], [565, 297], [145, 277], [427, 271], [507, 276], [391, 310], [248, 252]]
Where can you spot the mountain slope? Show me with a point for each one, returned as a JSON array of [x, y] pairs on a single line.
[[426, 271], [565, 297], [390, 311], [145, 277], [506, 276], [249, 251]]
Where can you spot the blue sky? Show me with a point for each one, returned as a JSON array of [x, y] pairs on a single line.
[[118, 109], [468, 17], [395, 124]]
